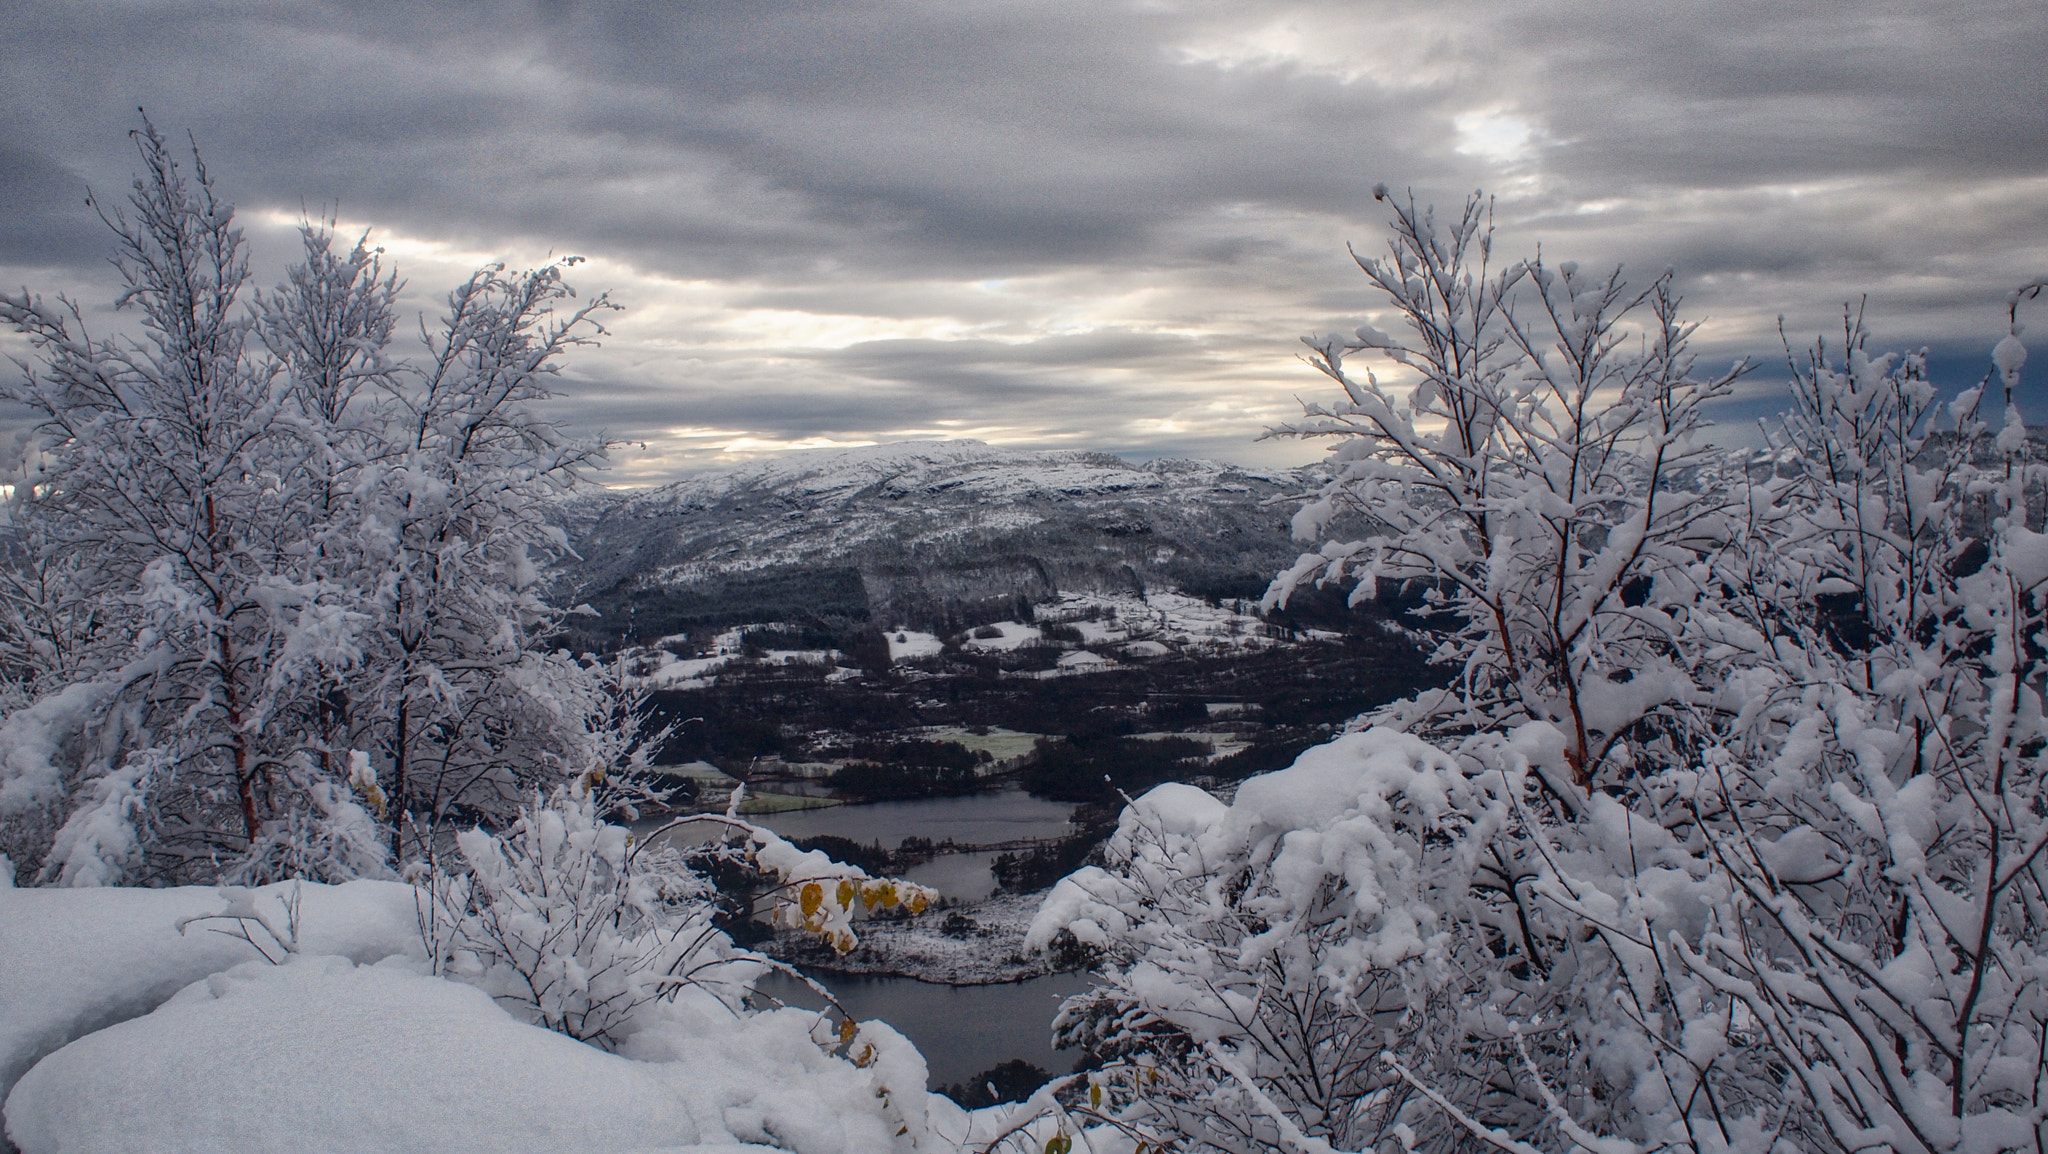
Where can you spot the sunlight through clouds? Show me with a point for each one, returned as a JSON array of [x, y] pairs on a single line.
[[1054, 226]]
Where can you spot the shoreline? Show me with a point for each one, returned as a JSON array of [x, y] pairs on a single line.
[[988, 951]]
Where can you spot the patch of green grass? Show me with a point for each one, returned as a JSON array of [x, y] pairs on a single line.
[[1001, 744], [759, 803]]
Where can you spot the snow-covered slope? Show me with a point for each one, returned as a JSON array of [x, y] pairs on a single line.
[[894, 529]]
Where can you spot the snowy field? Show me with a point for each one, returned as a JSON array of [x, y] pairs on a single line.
[[1112, 627], [125, 1028]]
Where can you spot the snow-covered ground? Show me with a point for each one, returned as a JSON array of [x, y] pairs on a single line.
[[672, 672], [1005, 745], [126, 1027], [73, 961], [1113, 627], [1164, 618], [1009, 635], [907, 644]]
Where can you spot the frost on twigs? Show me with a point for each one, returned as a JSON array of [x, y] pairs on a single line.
[[559, 918], [1517, 466], [275, 936], [1731, 835]]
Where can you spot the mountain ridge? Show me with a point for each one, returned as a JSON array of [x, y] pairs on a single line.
[[911, 531]]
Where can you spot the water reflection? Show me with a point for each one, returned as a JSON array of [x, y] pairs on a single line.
[[964, 877], [961, 1030]]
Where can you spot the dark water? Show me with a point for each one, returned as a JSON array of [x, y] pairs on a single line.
[[964, 877], [961, 1030], [979, 819]]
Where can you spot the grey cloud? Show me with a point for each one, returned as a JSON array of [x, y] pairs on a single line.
[[47, 224], [849, 160]]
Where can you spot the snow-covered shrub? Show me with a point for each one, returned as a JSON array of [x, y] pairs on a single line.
[[1382, 896], [1878, 809], [560, 917], [1248, 950], [568, 918]]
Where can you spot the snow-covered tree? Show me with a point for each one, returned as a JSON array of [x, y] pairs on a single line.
[[1525, 478], [1802, 905], [164, 495], [255, 545], [460, 699]]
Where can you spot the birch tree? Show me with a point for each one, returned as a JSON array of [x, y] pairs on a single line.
[[273, 597]]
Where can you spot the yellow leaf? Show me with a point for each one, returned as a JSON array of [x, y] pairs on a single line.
[[1095, 1097], [847, 1029], [811, 897], [917, 903], [847, 890], [888, 894]]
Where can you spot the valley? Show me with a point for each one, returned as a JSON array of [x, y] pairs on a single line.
[[951, 663]]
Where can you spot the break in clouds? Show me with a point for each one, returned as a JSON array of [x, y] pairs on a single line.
[[1052, 225]]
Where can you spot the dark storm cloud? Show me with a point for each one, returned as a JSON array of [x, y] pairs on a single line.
[[1058, 223]]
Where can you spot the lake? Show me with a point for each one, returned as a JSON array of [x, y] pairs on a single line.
[[979, 819], [961, 1030]]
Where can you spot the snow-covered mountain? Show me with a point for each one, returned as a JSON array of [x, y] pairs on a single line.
[[891, 533]]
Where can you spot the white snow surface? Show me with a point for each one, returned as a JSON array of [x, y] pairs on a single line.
[[75, 960], [905, 644], [320, 1053], [1011, 635], [119, 1033]]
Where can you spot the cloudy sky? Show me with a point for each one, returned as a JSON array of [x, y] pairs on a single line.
[[1057, 224]]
